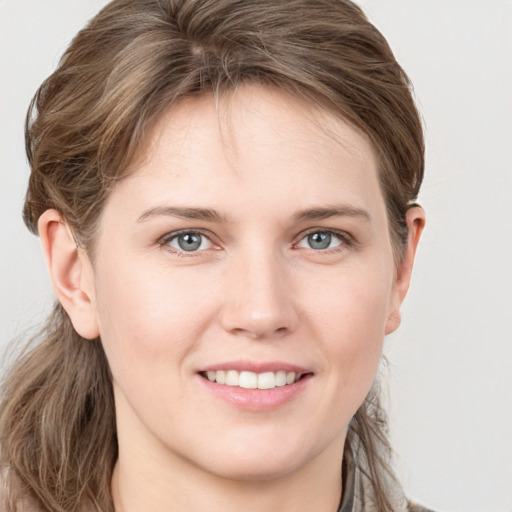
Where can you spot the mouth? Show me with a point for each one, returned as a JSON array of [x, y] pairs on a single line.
[[252, 380], [256, 386]]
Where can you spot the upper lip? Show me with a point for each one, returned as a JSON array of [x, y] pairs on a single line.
[[255, 366]]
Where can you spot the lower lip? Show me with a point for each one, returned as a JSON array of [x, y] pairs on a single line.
[[257, 399]]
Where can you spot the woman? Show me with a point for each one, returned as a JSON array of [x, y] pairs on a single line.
[[224, 193]]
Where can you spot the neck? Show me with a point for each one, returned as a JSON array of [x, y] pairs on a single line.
[[159, 483]]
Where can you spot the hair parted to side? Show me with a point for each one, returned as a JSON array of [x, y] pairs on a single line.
[[90, 120]]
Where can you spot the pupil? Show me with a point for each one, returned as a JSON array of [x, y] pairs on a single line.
[[189, 241], [319, 240]]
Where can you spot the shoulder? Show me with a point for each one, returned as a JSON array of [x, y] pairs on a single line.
[[414, 507]]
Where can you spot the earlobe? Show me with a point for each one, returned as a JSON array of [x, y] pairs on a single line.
[[415, 218], [70, 272]]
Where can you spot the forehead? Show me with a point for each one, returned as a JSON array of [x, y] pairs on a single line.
[[259, 144]]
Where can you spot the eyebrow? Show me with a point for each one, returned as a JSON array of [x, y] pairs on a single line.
[[335, 211], [206, 214], [210, 215]]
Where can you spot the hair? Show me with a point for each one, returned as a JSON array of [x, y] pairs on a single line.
[[91, 119]]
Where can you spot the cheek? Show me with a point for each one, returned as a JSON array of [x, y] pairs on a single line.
[[351, 320], [149, 319]]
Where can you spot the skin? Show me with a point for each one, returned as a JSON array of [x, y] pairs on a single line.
[[256, 290]]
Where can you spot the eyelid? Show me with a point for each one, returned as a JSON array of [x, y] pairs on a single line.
[[165, 240], [346, 239]]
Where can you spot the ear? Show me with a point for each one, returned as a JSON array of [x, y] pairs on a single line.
[[415, 218], [70, 271]]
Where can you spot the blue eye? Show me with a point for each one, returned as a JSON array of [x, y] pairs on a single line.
[[321, 240], [188, 241]]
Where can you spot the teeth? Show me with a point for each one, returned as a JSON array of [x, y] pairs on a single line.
[[251, 380], [248, 380], [267, 380], [232, 378], [290, 378], [281, 378]]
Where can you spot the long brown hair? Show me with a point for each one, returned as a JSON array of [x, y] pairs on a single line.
[[90, 119]]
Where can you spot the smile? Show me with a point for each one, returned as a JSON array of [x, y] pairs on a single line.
[[252, 380], [256, 386]]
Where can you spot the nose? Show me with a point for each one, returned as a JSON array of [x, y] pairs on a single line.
[[258, 301]]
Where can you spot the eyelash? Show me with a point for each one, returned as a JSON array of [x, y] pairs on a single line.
[[167, 239], [346, 241]]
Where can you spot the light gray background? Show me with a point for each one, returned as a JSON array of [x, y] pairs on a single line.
[[450, 385]]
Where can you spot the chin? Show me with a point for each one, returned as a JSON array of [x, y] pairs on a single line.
[[258, 461], [256, 469]]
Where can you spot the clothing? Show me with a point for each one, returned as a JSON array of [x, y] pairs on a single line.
[[358, 494]]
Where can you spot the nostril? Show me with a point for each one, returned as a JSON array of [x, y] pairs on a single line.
[[260, 332]]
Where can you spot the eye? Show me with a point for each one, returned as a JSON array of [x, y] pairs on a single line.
[[187, 241], [321, 240]]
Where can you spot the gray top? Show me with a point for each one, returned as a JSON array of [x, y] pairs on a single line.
[[358, 493]]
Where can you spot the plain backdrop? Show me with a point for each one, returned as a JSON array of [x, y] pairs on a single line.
[[450, 381]]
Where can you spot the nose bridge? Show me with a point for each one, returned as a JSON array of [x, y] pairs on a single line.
[[258, 297]]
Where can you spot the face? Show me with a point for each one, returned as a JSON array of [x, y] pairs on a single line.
[[242, 285]]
